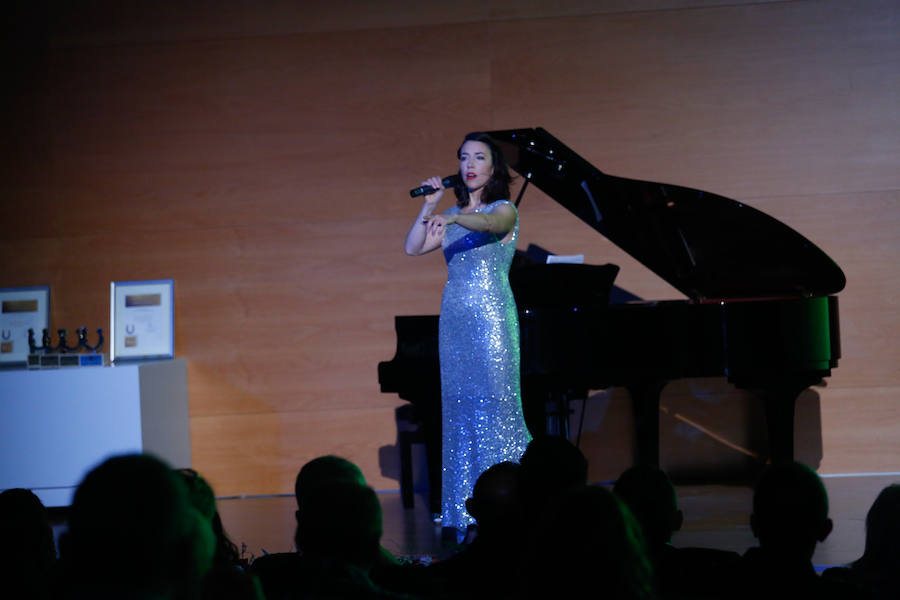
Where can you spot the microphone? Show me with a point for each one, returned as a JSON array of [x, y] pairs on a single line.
[[448, 182]]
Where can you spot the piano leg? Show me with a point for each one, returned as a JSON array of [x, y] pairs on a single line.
[[780, 398], [780, 395], [645, 408], [420, 423], [780, 424], [433, 427], [406, 478]]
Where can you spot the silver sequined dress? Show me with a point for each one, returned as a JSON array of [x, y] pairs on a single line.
[[479, 351]]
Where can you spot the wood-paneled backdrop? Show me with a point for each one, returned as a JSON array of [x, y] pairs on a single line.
[[260, 153]]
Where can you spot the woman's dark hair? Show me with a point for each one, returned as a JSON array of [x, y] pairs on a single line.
[[497, 187]]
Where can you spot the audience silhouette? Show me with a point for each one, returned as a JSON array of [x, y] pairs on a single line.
[[338, 536], [790, 516], [226, 579], [29, 557], [878, 569], [588, 545], [316, 488], [679, 572], [325, 470], [550, 466], [488, 567], [139, 530], [133, 533]]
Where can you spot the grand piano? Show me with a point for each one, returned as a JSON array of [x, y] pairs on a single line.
[[760, 307]]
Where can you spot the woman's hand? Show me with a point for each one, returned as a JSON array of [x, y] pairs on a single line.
[[437, 224], [434, 182], [427, 230]]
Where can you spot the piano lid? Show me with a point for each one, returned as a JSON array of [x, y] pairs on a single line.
[[705, 245]]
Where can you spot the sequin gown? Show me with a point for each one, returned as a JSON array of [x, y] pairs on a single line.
[[481, 411]]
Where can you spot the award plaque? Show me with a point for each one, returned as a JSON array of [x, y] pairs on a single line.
[[142, 320], [21, 309]]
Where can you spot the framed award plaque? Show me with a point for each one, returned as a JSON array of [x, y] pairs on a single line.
[[142, 320], [22, 309]]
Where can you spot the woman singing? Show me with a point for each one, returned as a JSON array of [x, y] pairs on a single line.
[[479, 327]]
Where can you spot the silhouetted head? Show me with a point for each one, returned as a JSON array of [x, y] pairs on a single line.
[[883, 530], [650, 495], [27, 539], [132, 527], [790, 509], [340, 522], [590, 546], [203, 498], [200, 493], [325, 470], [549, 466], [495, 499]]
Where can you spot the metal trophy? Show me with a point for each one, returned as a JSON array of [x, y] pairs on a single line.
[[82, 354]]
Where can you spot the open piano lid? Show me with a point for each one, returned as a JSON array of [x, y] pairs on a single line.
[[705, 245]]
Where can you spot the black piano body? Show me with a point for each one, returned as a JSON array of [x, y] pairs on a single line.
[[760, 307]]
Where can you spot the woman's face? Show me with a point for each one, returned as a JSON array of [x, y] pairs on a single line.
[[475, 164]]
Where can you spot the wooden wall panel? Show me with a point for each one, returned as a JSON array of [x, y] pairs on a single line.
[[265, 451], [218, 134], [860, 430], [785, 98], [148, 21], [260, 156]]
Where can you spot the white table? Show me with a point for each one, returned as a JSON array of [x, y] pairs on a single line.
[[57, 424]]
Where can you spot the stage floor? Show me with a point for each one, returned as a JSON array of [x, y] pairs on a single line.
[[716, 516]]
